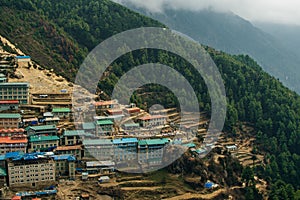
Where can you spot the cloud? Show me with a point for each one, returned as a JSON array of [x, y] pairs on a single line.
[[276, 11]]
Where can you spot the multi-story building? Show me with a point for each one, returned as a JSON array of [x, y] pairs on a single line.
[[23, 61], [100, 167], [41, 130], [15, 91], [31, 171], [151, 151], [11, 132], [101, 149], [74, 150], [132, 111], [61, 112], [9, 120], [103, 106], [74, 137], [104, 127], [13, 143], [131, 126], [152, 120], [125, 149], [89, 127], [42, 142], [65, 165]]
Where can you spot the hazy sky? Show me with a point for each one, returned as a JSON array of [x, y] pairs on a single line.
[[278, 11]]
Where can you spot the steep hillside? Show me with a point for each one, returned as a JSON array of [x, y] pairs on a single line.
[[232, 34], [59, 35]]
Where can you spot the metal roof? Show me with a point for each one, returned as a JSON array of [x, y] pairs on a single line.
[[125, 140], [105, 122], [62, 110], [15, 84], [9, 115], [9, 102], [44, 127], [161, 141], [74, 133], [97, 142], [39, 138], [68, 157], [22, 57], [132, 125]]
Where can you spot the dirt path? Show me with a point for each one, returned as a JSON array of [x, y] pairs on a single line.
[[203, 196], [140, 188]]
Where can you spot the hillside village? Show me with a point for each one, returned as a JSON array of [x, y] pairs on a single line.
[[41, 145]]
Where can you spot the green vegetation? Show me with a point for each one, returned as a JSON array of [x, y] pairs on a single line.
[[59, 35]]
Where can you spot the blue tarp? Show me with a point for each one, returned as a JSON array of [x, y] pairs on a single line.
[[208, 185]]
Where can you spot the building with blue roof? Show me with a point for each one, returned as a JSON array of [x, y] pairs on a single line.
[[125, 149], [32, 170], [65, 165], [23, 61]]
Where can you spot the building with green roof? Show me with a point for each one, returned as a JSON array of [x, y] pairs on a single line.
[[61, 112], [104, 127], [41, 130], [151, 151], [42, 142], [15, 91]]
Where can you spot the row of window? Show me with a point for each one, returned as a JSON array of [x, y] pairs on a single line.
[[31, 180]]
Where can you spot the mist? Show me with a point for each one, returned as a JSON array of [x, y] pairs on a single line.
[[275, 11]]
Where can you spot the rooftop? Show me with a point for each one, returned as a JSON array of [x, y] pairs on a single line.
[[39, 128], [22, 57], [10, 115], [15, 84], [10, 130], [97, 142], [131, 125], [152, 117], [161, 141], [125, 140], [104, 122], [9, 102], [74, 133], [39, 138], [9, 140], [106, 103], [189, 145], [61, 110], [77, 133], [68, 157], [132, 110]]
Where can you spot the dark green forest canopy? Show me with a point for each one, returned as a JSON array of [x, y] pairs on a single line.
[[58, 35]]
